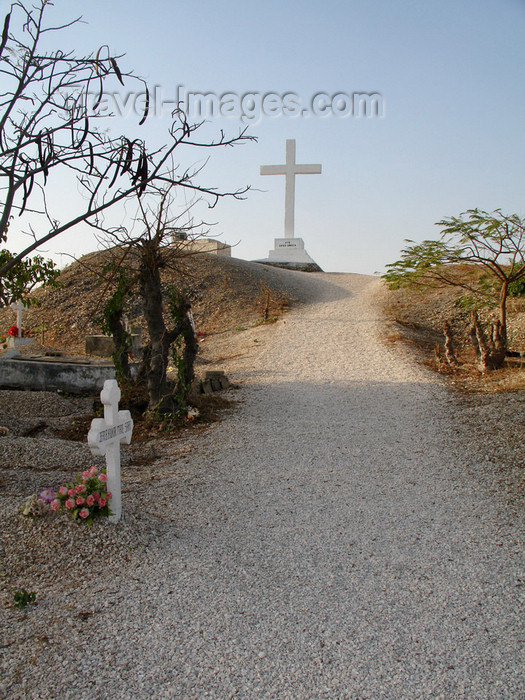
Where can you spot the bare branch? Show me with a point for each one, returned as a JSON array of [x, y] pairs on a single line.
[[45, 126]]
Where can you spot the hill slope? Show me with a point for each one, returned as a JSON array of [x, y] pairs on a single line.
[[225, 293]]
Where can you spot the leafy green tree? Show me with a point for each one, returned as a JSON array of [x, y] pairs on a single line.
[[480, 253], [19, 280]]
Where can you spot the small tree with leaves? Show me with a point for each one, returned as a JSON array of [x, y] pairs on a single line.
[[112, 319], [480, 253]]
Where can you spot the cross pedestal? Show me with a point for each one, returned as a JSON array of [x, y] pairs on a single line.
[[105, 437]]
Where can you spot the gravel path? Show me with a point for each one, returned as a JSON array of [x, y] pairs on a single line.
[[332, 538]]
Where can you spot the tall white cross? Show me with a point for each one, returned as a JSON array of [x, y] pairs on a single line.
[[104, 438], [290, 169]]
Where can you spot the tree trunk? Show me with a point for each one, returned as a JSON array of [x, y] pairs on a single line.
[[145, 360], [121, 342], [181, 315], [491, 355], [482, 349], [498, 338], [450, 354], [162, 397], [159, 389], [190, 353], [503, 310]]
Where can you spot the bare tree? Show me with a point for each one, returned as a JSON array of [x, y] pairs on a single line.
[[48, 127], [138, 256]]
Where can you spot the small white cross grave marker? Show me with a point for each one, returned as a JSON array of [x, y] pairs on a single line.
[[105, 437], [18, 307], [290, 169]]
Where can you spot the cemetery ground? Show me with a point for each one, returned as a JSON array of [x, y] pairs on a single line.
[[350, 526]]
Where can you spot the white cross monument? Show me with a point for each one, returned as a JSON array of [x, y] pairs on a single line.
[[289, 251], [104, 438]]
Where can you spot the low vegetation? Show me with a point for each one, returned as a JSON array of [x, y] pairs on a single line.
[[459, 298], [418, 319], [482, 256]]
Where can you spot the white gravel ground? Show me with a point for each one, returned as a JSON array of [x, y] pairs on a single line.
[[333, 537]]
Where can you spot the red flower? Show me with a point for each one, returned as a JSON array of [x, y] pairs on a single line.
[[13, 331]]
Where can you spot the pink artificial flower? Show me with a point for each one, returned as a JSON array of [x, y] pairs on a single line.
[[102, 503], [71, 492], [63, 490], [47, 495], [80, 488], [103, 478], [84, 513], [90, 500], [93, 470], [70, 503], [80, 501], [86, 475], [96, 495], [109, 495], [55, 505]]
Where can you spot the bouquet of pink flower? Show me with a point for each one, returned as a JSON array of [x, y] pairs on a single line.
[[87, 498]]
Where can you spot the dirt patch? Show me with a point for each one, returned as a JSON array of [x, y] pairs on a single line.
[[488, 406]]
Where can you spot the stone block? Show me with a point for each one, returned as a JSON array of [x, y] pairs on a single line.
[[103, 345], [214, 380], [224, 382], [207, 387], [50, 374]]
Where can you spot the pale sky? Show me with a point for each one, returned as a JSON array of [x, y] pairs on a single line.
[[451, 77]]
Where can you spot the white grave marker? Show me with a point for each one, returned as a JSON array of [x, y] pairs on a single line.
[[105, 437], [18, 307]]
